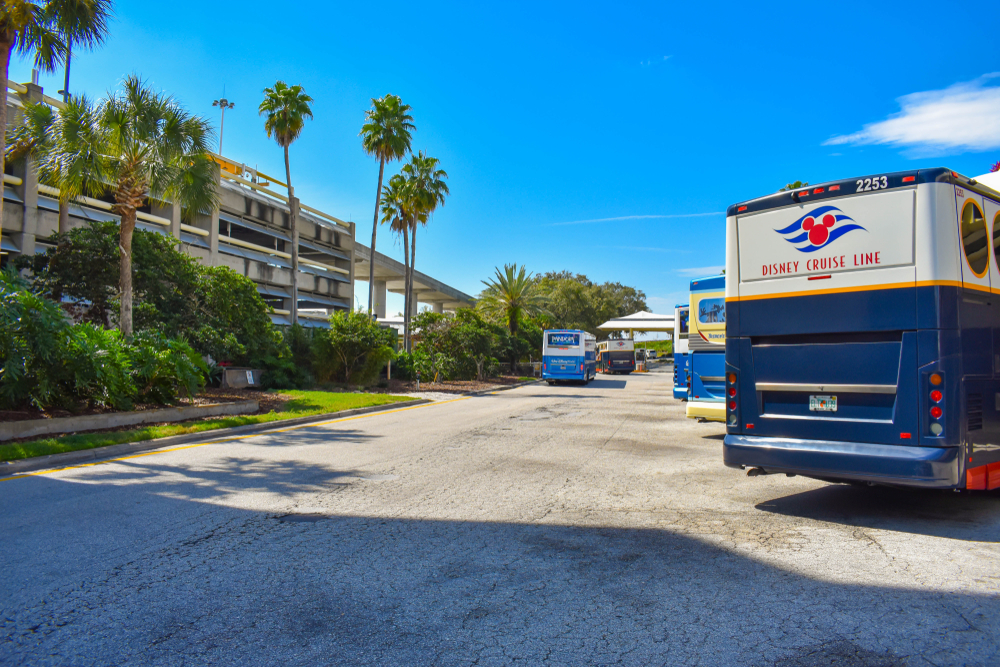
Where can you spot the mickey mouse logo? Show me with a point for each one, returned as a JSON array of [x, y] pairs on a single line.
[[819, 228]]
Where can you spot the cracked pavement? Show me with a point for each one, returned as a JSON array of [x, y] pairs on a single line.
[[542, 525]]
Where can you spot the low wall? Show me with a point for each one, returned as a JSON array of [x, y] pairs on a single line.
[[30, 428]]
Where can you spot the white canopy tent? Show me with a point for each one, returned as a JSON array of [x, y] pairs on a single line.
[[642, 321]]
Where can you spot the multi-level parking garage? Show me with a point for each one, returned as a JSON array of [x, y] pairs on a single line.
[[250, 232]]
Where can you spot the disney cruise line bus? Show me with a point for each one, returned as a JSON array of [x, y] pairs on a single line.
[[616, 355], [863, 331], [706, 398], [569, 355]]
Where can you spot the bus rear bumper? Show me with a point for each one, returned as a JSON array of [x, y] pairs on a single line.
[[713, 411], [929, 467]]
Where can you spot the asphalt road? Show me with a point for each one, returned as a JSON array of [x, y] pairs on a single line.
[[542, 525]]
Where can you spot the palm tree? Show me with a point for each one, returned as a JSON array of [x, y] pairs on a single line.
[[137, 145], [59, 141], [513, 295], [43, 29], [429, 190], [385, 136], [77, 21], [285, 109], [397, 212]]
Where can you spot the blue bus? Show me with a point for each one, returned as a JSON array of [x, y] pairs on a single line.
[[863, 333], [616, 355], [681, 352], [569, 354], [707, 350]]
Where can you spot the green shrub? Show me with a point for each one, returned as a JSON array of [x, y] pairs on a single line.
[[47, 362], [161, 368], [353, 349]]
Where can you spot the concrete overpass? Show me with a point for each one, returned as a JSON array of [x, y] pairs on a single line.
[[389, 277]]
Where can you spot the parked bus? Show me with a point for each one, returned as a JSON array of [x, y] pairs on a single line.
[[681, 314], [864, 331], [616, 356], [707, 349], [569, 354]]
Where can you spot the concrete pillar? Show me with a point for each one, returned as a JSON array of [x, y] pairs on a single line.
[[213, 238], [175, 221], [293, 208], [213, 224], [29, 188], [380, 296], [438, 306]]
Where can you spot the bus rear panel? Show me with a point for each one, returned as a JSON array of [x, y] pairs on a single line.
[[681, 315], [616, 356], [706, 397], [568, 355], [862, 333]]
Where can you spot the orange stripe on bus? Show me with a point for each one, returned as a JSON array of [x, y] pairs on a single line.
[[864, 288]]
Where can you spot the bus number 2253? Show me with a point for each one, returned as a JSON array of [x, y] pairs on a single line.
[[869, 184]]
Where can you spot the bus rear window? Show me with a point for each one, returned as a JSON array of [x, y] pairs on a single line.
[[564, 340], [830, 236]]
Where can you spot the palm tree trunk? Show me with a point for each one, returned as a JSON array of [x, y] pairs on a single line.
[[371, 258], [125, 278], [409, 284], [406, 301], [293, 222], [5, 48], [63, 217]]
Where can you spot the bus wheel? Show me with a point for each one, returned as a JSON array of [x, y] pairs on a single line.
[[551, 382]]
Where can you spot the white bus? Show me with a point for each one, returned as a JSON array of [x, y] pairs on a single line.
[[569, 354]]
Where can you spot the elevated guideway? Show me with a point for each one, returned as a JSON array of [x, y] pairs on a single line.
[[389, 277]]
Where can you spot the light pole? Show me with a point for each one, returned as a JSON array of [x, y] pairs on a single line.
[[223, 104]]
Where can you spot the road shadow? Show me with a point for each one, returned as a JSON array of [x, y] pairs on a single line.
[[607, 384], [714, 436], [971, 516], [198, 582]]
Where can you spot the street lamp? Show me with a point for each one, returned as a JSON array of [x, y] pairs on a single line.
[[223, 104]]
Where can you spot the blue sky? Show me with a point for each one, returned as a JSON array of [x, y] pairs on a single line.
[[605, 140]]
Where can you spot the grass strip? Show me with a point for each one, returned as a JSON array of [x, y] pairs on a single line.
[[303, 404]]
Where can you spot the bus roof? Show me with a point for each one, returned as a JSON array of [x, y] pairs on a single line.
[[849, 186], [711, 282]]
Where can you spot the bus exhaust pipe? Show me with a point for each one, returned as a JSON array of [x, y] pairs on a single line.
[[755, 472]]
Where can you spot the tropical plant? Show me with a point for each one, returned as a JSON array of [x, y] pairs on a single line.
[[427, 190], [285, 109], [46, 30], [793, 186], [511, 296], [141, 145], [398, 211], [354, 349], [385, 135], [45, 361]]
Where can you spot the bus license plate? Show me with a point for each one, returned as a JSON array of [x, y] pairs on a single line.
[[823, 403]]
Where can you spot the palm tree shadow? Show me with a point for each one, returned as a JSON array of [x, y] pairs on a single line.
[[965, 516]]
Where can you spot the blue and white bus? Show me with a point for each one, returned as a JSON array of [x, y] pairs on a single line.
[[707, 350], [863, 333], [681, 314], [569, 354], [616, 355]]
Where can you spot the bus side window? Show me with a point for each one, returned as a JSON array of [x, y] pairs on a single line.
[[996, 240], [974, 238]]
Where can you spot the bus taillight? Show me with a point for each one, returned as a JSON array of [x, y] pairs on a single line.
[[733, 418], [936, 411]]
